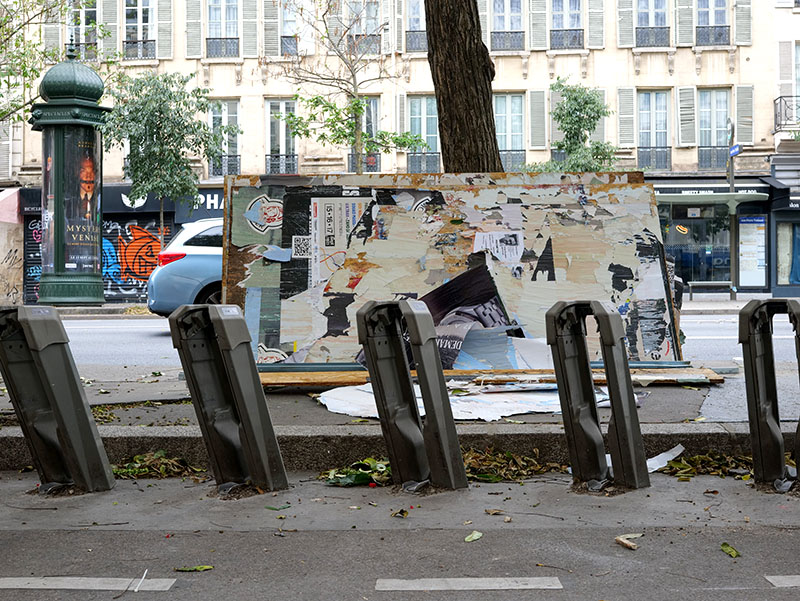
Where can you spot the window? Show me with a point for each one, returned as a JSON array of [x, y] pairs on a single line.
[[651, 23], [424, 121], [509, 126], [210, 237], [712, 23], [281, 153], [140, 36], [82, 28], [223, 29], [654, 150], [226, 113], [370, 124], [416, 36], [289, 30], [507, 33], [566, 31], [364, 35], [712, 152]]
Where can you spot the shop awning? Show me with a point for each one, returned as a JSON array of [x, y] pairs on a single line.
[[732, 199]]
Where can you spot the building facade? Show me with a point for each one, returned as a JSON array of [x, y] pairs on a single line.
[[674, 72]]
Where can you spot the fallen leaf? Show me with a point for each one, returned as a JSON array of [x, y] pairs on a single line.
[[730, 550], [473, 536], [270, 507], [625, 540], [494, 511], [354, 507], [194, 569], [280, 517], [468, 522], [514, 421], [156, 373], [710, 492], [400, 513], [103, 391], [359, 421], [507, 519]]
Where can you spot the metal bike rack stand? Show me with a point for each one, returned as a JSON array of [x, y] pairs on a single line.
[[214, 347], [755, 336], [566, 335], [49, 400], [416, 452]]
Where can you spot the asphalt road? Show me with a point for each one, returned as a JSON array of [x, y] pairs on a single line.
[[716, 337]]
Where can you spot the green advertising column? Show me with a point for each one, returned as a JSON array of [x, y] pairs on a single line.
[[72, 159]]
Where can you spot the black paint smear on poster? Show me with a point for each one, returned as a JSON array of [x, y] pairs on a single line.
[[296, 222], [337, 312], [620, 276], [546, 263]]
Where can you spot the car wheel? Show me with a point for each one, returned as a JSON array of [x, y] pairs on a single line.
[[210, 296]]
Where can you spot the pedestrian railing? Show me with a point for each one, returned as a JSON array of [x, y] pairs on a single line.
[[48, 398]]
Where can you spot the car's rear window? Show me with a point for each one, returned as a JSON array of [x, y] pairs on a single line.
[[210, 237]]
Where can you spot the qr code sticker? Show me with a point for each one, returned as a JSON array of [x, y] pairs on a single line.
[[301, 247]]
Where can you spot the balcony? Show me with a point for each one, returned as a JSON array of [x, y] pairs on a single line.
[[371, 163], [86, 51], [787, 111], [566, 39], [423, 162], [416, 41], [656, 158], [717, 35], [512, 160], [281, 163], [227, 164], [222, 47], [133, 50], [712, 157], [288, 45], [652, 37], [508, 40], [361, 44], [558, 156]]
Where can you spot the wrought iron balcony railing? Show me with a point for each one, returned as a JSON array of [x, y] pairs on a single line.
[[558, 156], [787, 112], [512, 160], [712, 157], [222, 47], [716, 35], [281, 163], [288, 45], [227, 164], [508, 40], [655, 157], [371, 163], [364, 44], [86, 51], [138, 49], [563, 39], [652, 37], [423, 162], [416, 41]]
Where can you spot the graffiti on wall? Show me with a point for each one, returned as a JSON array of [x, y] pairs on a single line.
[[130, 254], [10, 265]]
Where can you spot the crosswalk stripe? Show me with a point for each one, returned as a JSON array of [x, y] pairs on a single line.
[[784, 581], [87, 584], [466, 584]]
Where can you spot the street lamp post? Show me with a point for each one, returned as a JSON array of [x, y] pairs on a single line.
[[72, 158]]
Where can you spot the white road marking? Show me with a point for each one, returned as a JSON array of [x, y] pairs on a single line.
[[466, 584], [86, 584], [733, 338], [784, 581]]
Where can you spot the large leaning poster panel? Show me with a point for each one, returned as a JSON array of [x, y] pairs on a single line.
[[306, 253]]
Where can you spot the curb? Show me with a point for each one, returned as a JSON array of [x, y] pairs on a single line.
[[316, 448]]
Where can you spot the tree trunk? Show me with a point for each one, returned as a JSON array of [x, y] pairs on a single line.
[[462, 78]]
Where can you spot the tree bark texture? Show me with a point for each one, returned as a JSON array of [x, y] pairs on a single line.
[[462, 78]]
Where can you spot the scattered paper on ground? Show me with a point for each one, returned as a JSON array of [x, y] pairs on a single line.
[[625, 540]]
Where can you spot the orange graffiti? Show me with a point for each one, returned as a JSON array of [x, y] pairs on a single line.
[[139, 257]]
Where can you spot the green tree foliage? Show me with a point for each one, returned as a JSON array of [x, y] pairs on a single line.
[[578, 114], [331, 124], [163, 123]]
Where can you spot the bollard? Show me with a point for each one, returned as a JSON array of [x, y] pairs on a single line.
[[755, 336], [48, 398], [566, 334], [416, 452], [214, 348]]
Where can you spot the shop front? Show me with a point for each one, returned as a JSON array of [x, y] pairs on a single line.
[[784, 235]]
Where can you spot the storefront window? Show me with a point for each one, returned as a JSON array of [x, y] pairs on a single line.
[[698, 237], [788, 253]]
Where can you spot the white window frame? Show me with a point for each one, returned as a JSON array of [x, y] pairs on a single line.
[[507, 20], [224, 106], [653, 132], [505, 139], [85, 28], [716, 131], [416, 11], [286, 141], [139, 25], [712, 11], [651, 12], [419, 123], [359, 18], [229, 27], [566, 14]]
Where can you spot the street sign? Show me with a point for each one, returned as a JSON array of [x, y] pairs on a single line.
[[735, 149]]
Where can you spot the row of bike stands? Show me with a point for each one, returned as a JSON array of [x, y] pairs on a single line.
[[214, 346]]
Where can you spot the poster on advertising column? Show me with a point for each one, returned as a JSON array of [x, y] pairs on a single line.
[[752, 251]]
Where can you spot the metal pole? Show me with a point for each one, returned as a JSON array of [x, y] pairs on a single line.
[[734, 220]]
